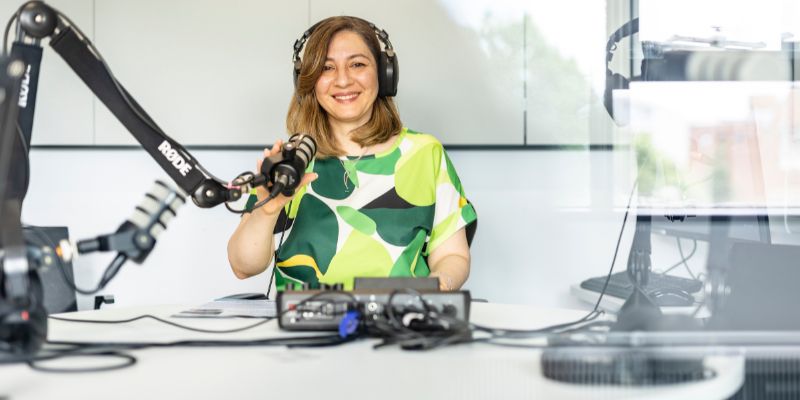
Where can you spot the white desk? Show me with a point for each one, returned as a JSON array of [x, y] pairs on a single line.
[[350, 371]]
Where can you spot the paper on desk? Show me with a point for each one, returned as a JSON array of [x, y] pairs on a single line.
[[232, 308]]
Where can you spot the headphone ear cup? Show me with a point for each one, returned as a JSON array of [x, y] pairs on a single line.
[[296, 72], [388, 75], [613, 81], [295, 78]]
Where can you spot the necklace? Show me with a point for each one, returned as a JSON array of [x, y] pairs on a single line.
[[350, 170]]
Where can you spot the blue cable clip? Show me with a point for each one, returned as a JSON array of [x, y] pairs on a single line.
[[349, 324]]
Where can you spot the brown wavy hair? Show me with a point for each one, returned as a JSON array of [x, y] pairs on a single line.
[[306, 115]]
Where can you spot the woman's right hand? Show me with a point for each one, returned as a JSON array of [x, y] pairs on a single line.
[[274, 206]]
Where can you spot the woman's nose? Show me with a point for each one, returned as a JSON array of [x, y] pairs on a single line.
[[342, 77]]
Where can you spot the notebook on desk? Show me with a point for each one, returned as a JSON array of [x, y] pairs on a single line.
[[229, 308]]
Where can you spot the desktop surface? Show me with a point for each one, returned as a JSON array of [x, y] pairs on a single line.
[[477, 370]]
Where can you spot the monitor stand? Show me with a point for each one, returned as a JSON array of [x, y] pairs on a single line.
[[640, 312]]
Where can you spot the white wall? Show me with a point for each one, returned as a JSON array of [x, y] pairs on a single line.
[[536, 233]]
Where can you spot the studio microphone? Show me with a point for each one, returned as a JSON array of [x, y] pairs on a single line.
[[286, 169], [137, 236]]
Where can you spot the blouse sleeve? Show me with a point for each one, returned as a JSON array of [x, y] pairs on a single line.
[[452, 210]]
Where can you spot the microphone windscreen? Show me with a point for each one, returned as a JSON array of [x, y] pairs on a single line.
[[306, 147], [158, 207]]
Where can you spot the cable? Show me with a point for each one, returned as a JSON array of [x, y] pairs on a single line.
[[521, 333], [433, 331], [594, 313], [572, 342], [394, 332], [76, 350], [9, 357], [277, 249], [114, 349], [616, 248], [398, 332], [164, 321], [276, 341], [25, 152], [241, 181], [266, 200], [108, 276], [429, 330], [255, 206], [406, 337], [6, 32], [110, 272], [684, 259], [13, 18], [128, 361]]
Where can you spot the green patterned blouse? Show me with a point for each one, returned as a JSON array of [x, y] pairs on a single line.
[[377, 216]]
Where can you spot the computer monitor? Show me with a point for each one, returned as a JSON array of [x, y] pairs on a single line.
[[719, 159]]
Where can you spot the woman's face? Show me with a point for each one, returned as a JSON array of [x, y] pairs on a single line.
[[348, 85]]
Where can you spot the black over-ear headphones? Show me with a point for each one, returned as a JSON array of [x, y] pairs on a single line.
[[388, 68], [613, 79]]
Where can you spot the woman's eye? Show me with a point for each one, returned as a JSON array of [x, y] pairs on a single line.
[[327, 68], [359, 65]]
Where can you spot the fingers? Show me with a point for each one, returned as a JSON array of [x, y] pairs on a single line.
[[276, 148]]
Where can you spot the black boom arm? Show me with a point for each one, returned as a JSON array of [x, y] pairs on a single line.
[[36, 20]]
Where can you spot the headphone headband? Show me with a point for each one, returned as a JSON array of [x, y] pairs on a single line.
[[631, 27]]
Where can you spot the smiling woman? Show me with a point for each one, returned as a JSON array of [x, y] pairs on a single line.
[[342, 58], [379, 200], [348, 85]]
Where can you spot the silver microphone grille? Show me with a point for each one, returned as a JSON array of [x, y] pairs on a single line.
[[305, 145], [157, 208]]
